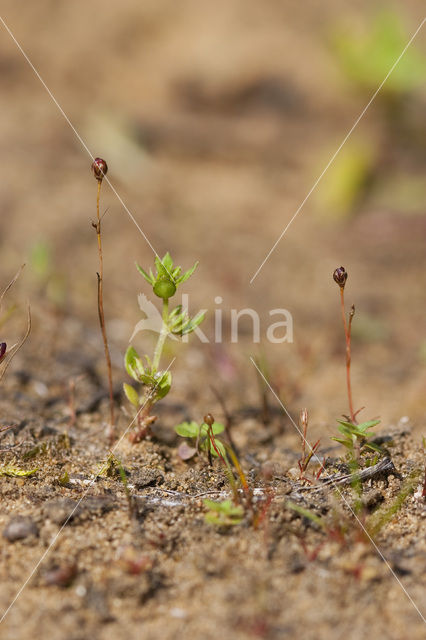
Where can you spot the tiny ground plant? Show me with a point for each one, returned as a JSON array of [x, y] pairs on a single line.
[[100, 168], [243, 496], [156, 383], [199, 436], [223, 514], [340, 276], [356, 436], [306, 457]]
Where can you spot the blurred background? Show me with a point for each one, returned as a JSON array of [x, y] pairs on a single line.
[[216, 119]]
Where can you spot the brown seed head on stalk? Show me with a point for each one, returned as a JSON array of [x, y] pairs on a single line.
[[3, 347], [340, 276], [99, 168], [304, 418], [208, 419]]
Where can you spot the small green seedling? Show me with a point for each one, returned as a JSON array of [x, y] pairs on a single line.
[[223, 514], [357, 436], [199, 435], [307, 456], [156, 382], [109, 468]]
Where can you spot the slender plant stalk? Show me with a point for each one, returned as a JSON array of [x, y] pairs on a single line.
[[101, 314], [162, 337], [347, 326]]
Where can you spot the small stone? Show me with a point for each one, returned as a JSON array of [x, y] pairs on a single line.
[[147, 478], [67, 510], [19, 528], [371, 499], [61, 510]]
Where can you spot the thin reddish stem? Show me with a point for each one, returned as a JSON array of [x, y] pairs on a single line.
[[347, 328], [101, 310]]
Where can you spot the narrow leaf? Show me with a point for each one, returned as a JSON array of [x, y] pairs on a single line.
[[148, 278], [131, 394], [184, 277]]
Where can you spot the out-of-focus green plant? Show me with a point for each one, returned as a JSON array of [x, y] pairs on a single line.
[[366, 59], [347, 180], [50, 281], [223, 514]]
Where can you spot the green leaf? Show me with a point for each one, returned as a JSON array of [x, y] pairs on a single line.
[[223, 513], [368, 425], [347, 431], [207, 445], [131, 394], [187, 429], [148, 278], [133, 364], [176, 312], [163, 385], [168, 263], [194, 323], [64, 479], [373, 447], [161, 269], [219, 446], [184, 277], [359, 427], [306, 513], [13, 472], [217, 428]]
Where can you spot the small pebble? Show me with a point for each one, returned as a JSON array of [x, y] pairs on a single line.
[[20, 527]]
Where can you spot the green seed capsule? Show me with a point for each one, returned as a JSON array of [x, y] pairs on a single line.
[[164, 287]]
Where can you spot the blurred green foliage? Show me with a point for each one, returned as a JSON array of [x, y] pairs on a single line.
[[51, 283], [366, 59], [346, 181]]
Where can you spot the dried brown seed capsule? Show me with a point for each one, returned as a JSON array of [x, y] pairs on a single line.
[[208, 419], [99, 168], [340, 276], [3, 348]]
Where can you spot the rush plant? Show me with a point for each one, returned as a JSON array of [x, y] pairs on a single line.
[[355, 436], [340, 276], [155, 382], [7, 353], [100, 168]]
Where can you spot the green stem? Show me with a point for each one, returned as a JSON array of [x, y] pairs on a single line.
[[162, 337]]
